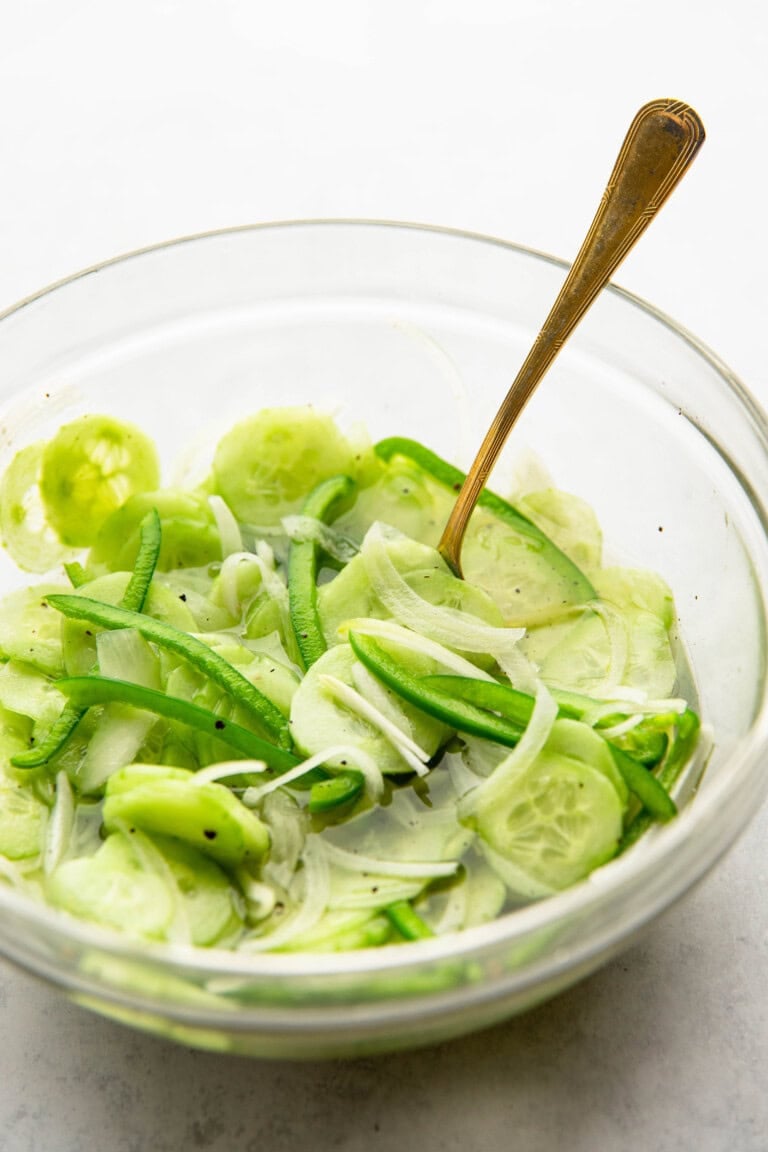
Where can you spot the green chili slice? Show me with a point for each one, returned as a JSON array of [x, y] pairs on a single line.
[[133, 599], [459, 714], [340, 789], [302, 570], [408, 923], [85, 691], [191, 649], [517, 706]]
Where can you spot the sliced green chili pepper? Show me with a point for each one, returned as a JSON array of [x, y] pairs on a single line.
[[677, 758], [188, 647], [85, 691], [459, 714], [146, 561], [340, 789], [133, 599], [407, 922], [302, 570], [76, 574]]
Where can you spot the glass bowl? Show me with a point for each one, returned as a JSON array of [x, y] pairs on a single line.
[[417, 331]]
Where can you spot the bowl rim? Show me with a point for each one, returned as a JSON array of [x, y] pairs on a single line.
[[660, 845]]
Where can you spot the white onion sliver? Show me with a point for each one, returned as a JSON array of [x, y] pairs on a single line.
[[446, 625], [618, 642], [225, 768], [230, 537], [416, 870], [522, 755], [302, 528], [408, 748], [359, 759], [317, 888], [406, 638], [60, 824]]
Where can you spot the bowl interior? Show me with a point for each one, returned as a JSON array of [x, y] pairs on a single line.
[[419, 332]]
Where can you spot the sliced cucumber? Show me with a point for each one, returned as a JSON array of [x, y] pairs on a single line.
[[318, 721], [266, 465], [115, 888], [190, 538], [90, 468], [23, 820], [559, 818], [24, 530], [504, 552], [350, 596], [168, 802], [30, 630]]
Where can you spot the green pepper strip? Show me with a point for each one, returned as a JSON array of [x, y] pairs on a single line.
[[302, 570], [407, 922], [338, 790], [517, 706], [85, 691], [459, 714], [451, 477], [133, 598], [76, 573], [677, 757], [146, 562], [188, 647]]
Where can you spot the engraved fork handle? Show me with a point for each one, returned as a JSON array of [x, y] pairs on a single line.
[[662, 140]]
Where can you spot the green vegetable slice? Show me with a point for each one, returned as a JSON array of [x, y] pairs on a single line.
[[339, 790], [265, 465], [90, 468], [459, 714], [85, 691], [302, 570], [24, 530], [529, 577], [188, 647], [133, 599], [557, 820], [169, 802], [190, 538], [518, 706], [408, 923]]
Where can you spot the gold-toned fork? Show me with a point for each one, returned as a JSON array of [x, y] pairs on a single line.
[[662, 140]]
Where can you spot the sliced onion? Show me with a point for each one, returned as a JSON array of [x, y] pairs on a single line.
[[359, 759], [414, 756], [303, 528], [521, 757], [415, 870], [317, 888], [449, 626], [62, 820], [225, 768], [407, 638], [230, 537]]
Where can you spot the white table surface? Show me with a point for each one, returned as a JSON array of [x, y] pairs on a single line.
[[125, 124]]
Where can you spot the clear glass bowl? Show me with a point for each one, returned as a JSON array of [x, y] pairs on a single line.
[[417, 331]]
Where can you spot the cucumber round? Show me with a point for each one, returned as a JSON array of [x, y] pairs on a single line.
[[350, 595], [318, 721], [168, 802], [556, 819], [267, 464], [24, 530], [90, 468], [190, 538], [114, 888]]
